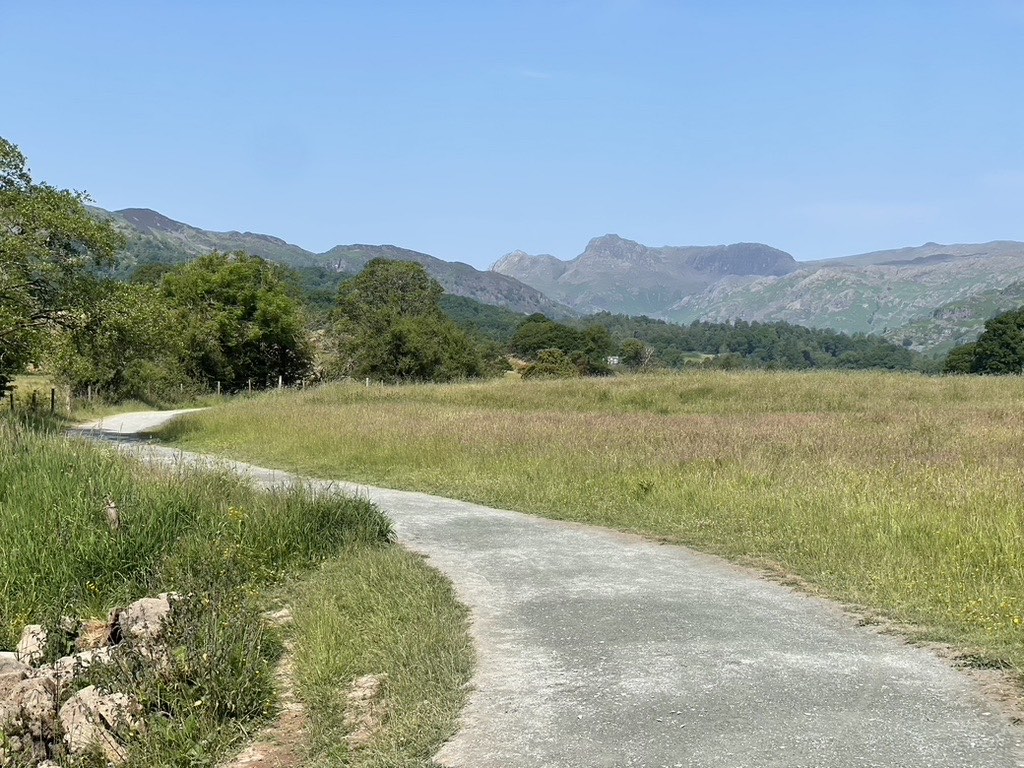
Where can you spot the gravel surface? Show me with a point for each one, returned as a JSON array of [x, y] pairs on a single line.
[[602, 649]]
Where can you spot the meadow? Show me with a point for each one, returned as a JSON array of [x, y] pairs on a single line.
[[233, 553], [899, 495]]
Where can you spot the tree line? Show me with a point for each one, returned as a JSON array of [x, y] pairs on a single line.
[[162, 332]]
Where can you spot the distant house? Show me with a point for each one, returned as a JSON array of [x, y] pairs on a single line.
[[612, 360]]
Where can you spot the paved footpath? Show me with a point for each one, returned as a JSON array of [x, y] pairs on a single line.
[[601, 649]]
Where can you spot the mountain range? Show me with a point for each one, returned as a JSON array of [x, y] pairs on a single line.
[[930, 297], [155, 238]]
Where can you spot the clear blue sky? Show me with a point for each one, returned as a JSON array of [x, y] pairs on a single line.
[[468, 129]]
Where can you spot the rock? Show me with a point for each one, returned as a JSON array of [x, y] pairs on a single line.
[[92, 718], [31, 707], [12, 672], [279, 618], [364, 710], [32, 645], [68, 668], [144, 619]]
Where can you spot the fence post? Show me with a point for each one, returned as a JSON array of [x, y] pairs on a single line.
[[34, 393], [250, 386], [53, 400], [280, 382], [11, 393], [88, 393], [218, 389]]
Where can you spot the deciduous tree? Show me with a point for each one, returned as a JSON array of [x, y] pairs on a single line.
[[48, 242]]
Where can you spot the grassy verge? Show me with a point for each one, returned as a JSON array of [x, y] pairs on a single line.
[[899, 493], [210, 538], [382, 612]]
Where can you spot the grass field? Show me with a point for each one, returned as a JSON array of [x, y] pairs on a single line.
[[230, 550], [897, 493]]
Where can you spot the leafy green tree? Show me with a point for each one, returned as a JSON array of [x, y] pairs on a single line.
[[127, 346], [1000, 348], [48, 243], [389, 325], [587, 349], [960, 359], [240, 320], [551, 364]]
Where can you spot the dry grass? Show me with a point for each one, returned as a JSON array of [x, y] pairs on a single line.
[[899, 493]]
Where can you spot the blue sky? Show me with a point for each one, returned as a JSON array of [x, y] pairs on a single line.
[[468, 129]]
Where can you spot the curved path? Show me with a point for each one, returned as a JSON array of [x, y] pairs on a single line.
[[601, 649]]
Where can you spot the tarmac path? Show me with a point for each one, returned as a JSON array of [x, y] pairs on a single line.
[[602, 649]]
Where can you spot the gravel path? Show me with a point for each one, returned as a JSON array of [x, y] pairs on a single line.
[[602, 649]]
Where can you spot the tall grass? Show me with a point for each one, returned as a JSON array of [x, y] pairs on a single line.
[[382, 613], [209, 537], [898, 493]]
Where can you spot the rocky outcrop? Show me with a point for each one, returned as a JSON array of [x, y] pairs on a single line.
[[620, 275], [45, 708], [91, 719]]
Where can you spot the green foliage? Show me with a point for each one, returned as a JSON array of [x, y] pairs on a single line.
[[551, 364], [388, 325], [48, 242], [999, 349], [127, 347], [636, 355], [485, 321], [757, 345], [239, 319], [960, 359], [209, 537], [587, 349]]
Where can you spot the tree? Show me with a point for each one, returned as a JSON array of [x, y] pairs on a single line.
[[551, 364], [48, 243], [1000, 348], [960, 359], [587, 349], [636, 355], [127, 347], [389, 325], [239, 321]]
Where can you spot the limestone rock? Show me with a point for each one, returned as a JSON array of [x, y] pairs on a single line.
[[12, 672], [364, 710], [31, 707], [68, 668], [93, 718], [144, 619], [32, 645]]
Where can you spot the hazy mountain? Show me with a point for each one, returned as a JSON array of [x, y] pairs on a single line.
[[935, 295], [153, 237], [883, 292], [620, 275]]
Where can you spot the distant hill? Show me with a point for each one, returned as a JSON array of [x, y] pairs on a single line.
[[155, 238], [881, 293], [934, 295], [618, 275]]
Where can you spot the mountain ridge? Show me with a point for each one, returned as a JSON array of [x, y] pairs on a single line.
[[154, 237]]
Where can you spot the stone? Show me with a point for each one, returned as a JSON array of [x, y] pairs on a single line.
[[279, 618], [92, 718], [32, 645], [12, 672], [31, 707], [364, 710], [144, 619], [68, 668]]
